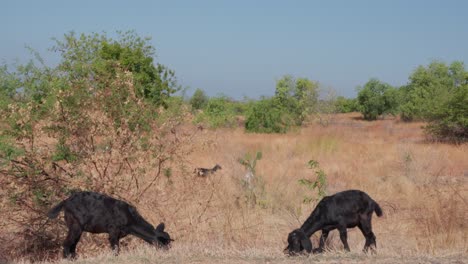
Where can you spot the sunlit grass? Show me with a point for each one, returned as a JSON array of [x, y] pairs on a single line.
[[422, 188]]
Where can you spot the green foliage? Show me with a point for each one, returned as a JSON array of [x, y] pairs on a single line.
[[218, 112], [250, 162], [450, 122], [318, 185], [199, 99], [346, 105], [293, 101], [430, 88], [8, 150], [63, 152], [9, 84], [377, 98], [102, 59], [297, 97], [437, 94], [266, 116]]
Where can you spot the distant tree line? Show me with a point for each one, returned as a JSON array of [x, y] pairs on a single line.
[[437, 94]]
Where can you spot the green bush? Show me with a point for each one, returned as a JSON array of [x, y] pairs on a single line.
[[296, 97], [102, 59], [293, 101], [266, 116], [450, 122], [318, 185], [430, 88], [346, 105], [218, 112], [199, 100], [377, 98]]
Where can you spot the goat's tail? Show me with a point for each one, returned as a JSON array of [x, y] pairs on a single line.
[[53, 213], [377, 209]]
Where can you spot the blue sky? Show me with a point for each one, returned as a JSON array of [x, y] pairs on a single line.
[[240, 48]]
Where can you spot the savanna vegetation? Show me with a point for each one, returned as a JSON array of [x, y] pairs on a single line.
[[110, 118]]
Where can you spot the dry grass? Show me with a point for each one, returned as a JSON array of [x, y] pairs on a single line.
[[195, 253], [422, 187]]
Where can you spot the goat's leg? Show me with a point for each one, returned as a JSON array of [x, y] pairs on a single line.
[[323, 238], [344, 237], [73, 246], [366, 228], [69, 245], [114, 238]]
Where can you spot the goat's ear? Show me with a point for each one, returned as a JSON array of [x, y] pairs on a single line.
[[160, 227], [306, 244]]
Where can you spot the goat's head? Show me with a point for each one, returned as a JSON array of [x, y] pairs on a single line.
[[163, 238], [298, 242]]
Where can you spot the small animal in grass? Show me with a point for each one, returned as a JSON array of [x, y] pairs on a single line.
[[98, 213], [343, 210], [203, 172]]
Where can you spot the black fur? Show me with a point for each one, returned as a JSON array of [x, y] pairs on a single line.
[[298, 242], [98, 213], [343, 210]]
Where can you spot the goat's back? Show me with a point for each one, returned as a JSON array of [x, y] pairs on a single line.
[[346, 203], [96, 212]]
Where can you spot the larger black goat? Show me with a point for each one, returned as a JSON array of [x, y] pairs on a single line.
[[340, 211], [98, 213]]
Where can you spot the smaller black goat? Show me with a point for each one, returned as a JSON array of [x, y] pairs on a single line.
[[98, 213], [202, 172], [343, 210]]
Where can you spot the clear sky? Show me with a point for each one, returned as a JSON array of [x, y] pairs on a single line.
[[240, 48]]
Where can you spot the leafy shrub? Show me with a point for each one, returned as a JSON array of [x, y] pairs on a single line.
[[218, 112], [346, 105], [377, 98], [318, 185], [451, 121], [199, 100], [430, 88], [297, 97], [293, 101], [265, 116]]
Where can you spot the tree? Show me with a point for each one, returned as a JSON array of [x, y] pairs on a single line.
[[98, 57], [297, 97], [293, 101], [450, 121], [199, 99], [429, 88], [266, 116], [376, 98], [218, 112], [306, 94]]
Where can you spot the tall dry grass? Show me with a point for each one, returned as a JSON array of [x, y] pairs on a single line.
[[421, 186]]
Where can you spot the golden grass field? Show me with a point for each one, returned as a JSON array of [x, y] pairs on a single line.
[[421, 186]]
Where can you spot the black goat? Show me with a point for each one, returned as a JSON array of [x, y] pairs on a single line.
[[202, 172], [340, 211], [98, 213]]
